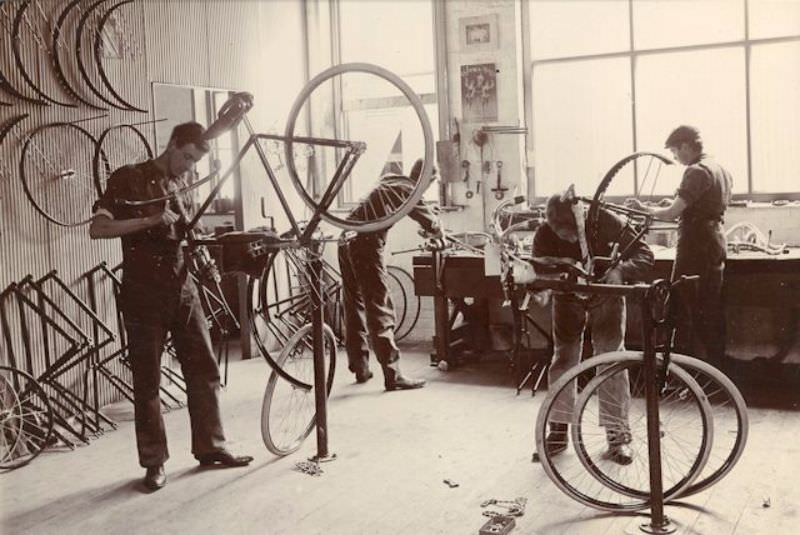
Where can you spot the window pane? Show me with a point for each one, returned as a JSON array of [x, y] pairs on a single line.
[[399, 37], [394, 35], [702, 88], [581, 124], [580, 27], [686, 22], [775, 116], [773, 18], [401, 144]]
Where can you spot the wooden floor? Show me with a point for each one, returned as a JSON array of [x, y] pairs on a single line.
[[394, 452]]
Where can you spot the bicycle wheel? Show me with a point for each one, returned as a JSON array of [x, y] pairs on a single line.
[[654, 164], [288, 412], [729, 414], [27, 418], [396, 90], [413, 303], [281, 298], [118, 145], [566, 469], [686, 430], [55, 166], [399, 300]]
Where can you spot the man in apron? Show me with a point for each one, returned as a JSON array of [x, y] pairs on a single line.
[[699, 206]]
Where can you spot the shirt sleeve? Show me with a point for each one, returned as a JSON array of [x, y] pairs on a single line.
[[639, 259], [695, 182], [117, 187], [423, 214]]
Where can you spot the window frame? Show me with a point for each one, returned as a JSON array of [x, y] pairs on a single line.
[[632, 54], [344, 201]]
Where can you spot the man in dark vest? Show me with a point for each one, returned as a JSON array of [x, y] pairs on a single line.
[[158, 297]]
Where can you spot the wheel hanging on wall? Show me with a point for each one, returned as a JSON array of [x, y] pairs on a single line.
[[98, 49], [16, 47], [58, 64], [55, 167], [118, 145]]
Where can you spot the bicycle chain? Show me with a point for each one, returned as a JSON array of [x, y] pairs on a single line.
[[309, 467], [515, 507]]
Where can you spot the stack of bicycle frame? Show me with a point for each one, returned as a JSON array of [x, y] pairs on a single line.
[[63, 361]]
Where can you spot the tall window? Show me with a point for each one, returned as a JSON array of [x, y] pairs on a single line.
[[612, 77], [398, 36]]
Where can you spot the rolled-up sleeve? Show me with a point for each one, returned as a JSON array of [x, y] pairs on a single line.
[[695, 182], [116, 188]]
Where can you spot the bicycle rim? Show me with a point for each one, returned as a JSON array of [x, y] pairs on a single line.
[[565, 469], [288, 412], [389, 219], [731, 424], [29, 422], [686, 430]]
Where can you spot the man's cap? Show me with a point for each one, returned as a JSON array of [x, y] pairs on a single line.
[[682, 134]]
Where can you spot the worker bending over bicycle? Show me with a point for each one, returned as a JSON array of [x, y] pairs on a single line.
[[368, 307], [563, 236]]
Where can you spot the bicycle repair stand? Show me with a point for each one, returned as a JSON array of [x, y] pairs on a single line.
[[646, 293], [320, 388]]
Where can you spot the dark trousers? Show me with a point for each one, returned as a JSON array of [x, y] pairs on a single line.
[[149, 317], [368, 308], [606, 317], [700, 309]]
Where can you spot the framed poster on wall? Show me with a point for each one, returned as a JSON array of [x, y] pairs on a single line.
[[479, 93], [478, 33]]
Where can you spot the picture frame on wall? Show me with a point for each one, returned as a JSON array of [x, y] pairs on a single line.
[[479, 33], [479, 93]]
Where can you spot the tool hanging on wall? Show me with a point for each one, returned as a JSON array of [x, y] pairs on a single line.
[[499, 191], [465, 164], [486, 167]]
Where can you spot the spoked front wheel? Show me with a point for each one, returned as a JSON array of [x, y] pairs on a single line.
[[685, 427], [396, 118], [606, 484], [288, 411]]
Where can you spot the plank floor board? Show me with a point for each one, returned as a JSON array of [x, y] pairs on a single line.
[[394, 451]]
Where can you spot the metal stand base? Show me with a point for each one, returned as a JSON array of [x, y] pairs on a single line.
[[665, 527], [323, 458]]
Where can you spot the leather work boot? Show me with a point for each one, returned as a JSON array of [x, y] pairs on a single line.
[[393, 379], [403, 383], [555, 442], [363, 376], [155, 477], [224, 459], [618, 450]]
